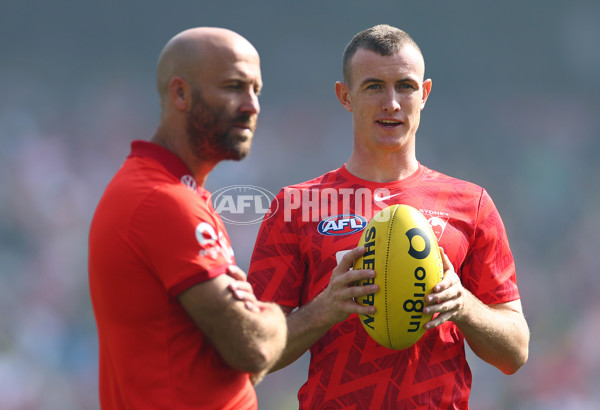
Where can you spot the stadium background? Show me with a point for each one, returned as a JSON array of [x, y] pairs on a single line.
[[515, 107]]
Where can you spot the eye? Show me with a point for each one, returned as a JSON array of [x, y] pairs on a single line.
[[406, 86], [373, 87], [235, 86]]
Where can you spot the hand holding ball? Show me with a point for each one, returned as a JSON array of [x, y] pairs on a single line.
[[402, 249]]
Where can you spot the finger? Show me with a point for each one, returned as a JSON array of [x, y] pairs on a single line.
[[442, 307], [439, 319], [251, 306], [351, 306], [244, 295], [449, 279], [348, 259], [446, 261], [442, 285], [447, 289], [358, 291], [242, 292], [235, 272], [241, 285], [360, 276]]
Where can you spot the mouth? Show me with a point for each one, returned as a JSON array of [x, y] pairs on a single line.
[[389, 123], [245, 123], [245, 130]]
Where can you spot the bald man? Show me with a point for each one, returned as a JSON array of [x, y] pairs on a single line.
[[178, 325]]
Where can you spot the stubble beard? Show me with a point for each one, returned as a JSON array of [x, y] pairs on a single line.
[[210, 131]]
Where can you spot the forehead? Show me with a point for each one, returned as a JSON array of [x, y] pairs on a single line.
[[407, 63], [240, 63]]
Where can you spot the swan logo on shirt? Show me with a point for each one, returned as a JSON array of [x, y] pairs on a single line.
[[438, 221], [211, 244], [341, 225]]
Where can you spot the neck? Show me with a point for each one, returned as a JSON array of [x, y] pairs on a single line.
[[382, 167], [179, 146]]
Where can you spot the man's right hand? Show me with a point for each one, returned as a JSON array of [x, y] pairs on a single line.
[[242, 289], [333, 305], [337, 301]]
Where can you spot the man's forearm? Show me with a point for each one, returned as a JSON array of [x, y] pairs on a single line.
[[303, 331], [498, 334], [265, 335]]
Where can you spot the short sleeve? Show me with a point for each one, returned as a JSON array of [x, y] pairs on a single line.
[[489, 269], [180, 239]]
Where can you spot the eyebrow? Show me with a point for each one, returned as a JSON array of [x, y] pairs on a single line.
[[371, 80], [377, 80], [243, 80]]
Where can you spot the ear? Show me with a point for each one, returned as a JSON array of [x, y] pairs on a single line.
[[179, 93], [343, 94], [426, 91]]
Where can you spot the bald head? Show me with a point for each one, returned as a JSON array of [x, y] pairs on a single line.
[[191, 52], [208, 80]]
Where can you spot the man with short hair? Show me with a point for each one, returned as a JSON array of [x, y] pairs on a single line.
[[294, 259], [178, 325]]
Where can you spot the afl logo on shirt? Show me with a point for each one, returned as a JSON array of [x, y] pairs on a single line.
[[341, 225]]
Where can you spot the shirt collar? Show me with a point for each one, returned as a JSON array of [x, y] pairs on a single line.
[[172, 163]]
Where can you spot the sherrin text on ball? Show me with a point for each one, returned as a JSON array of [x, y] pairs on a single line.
[[403, 250]]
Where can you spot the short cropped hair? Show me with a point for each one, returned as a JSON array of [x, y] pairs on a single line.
[[382, 39]]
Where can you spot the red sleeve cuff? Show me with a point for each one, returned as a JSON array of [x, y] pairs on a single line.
[[197, 278]]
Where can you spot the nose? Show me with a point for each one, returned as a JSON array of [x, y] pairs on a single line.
[[391, 102], [250, 104]]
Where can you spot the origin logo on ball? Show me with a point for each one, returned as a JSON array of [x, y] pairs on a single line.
[[402, 249]]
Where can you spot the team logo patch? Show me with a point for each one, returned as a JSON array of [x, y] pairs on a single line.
[[341, 225], [190, 182], [438, 221]]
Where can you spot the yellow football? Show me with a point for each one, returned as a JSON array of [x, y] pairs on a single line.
[[403, 250]]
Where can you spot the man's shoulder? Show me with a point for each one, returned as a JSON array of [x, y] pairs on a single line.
[[143, 182], [141, 172], [433, 176]]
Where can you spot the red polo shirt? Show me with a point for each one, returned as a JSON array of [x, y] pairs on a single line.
[[155, 234]]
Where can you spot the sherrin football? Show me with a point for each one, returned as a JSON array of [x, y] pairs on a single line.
[[402, 249]]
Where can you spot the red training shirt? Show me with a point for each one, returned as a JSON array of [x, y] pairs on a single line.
[[295, 254], [155, 234]]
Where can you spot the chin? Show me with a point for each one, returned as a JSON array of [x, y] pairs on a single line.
[[389, 146], [236, 147], [239, 153], [394, 142]]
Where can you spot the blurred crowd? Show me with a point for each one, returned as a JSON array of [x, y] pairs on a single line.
[[547, 192], [535, 150]]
